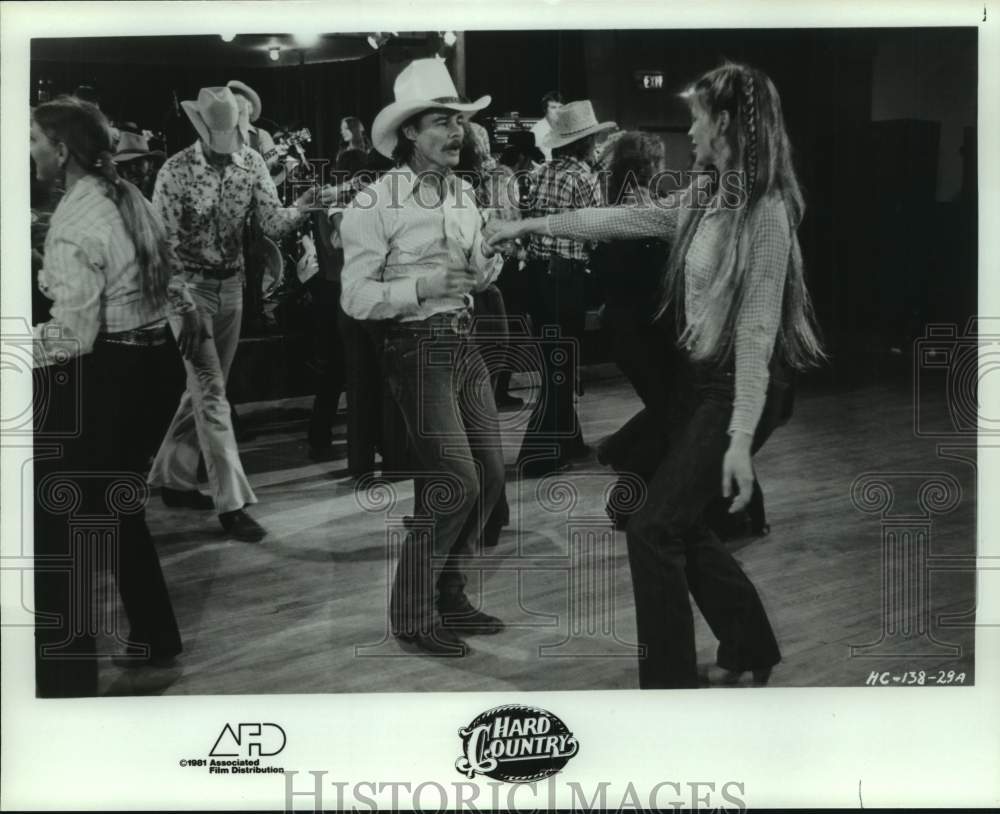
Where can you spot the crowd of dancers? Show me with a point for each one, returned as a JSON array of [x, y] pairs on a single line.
[[427, 247]]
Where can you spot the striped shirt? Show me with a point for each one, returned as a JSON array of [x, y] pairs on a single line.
[[564, 183], [91, 275], [393, 235], [205, 210], [769, 254]]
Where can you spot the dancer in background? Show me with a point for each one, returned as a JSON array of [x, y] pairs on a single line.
[[743, 316], [203, 194], [557, 271], [110, 275]]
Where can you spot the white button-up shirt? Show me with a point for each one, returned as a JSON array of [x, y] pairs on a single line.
[[394, 233]]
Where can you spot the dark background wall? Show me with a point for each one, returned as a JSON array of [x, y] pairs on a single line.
[[883, 124]]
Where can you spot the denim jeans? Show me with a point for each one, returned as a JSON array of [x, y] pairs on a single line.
[[672, 551], [442, 386]]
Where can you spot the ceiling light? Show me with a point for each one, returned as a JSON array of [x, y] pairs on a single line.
[[274, 53], [449, 38], [378, 39], [306, 39], [227, 37]]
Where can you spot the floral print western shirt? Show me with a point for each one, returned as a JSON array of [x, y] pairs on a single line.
[[205, 209]]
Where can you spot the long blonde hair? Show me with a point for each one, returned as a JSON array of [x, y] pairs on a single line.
[[762, 156], [83, 128]]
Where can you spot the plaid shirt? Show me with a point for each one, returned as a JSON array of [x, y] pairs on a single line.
[[563, 184], [759, 319]]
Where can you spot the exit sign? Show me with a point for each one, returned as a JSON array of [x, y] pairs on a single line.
[[649, 80]]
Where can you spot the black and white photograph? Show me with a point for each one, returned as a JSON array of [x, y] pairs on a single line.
[[505, 371]]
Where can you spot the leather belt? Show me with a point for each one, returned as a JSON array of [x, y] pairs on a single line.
[[139, 337]]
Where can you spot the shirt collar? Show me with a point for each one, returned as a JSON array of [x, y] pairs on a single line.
[[239, 158], [406, 182]]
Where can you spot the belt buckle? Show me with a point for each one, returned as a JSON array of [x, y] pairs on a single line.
[[461, 323]]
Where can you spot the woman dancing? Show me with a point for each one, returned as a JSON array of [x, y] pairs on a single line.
[[108, 270], [734, 279]]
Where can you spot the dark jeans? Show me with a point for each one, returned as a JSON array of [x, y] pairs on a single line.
[[673, 551], [331, 376], [442, 386], [363, 380], [558, 312], [117, 408]]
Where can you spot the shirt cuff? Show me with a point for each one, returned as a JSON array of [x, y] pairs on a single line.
[[403, 295]]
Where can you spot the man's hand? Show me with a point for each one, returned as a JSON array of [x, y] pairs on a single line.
[[312, 197], [193, 332], [454, 282], [736, 466]]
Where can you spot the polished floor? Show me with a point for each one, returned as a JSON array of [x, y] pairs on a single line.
[[868, 566]]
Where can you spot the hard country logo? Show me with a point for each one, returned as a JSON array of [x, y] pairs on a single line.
[[515, 744]]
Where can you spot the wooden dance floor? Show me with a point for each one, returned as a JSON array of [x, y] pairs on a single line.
[[305, 610]]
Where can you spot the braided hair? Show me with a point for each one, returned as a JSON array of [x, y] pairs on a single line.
[[760, 152], [84, 130]]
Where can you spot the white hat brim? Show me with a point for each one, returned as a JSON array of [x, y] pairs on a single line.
[[553, 141], [229, 141], [389, 119], [252, 96]]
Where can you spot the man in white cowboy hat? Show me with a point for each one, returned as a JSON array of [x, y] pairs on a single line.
[[203, 194], [413, 254], [557, 273]]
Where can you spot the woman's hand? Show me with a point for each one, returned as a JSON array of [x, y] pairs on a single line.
[[193, 332], [497, 232], [737, 466]]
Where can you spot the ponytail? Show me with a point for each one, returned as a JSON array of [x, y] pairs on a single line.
[[83, 128]]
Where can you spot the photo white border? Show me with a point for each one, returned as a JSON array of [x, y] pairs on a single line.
[[790, 747]]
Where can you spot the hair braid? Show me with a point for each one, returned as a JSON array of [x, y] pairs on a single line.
[[749, 115]]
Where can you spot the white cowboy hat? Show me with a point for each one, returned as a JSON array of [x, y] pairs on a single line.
[[216, 117], [250, 94], [421, 85], [574, 121]]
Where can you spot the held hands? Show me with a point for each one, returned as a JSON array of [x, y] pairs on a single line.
[[193, 332], [499, 234], [314, 196], [736, 467], [448, 282]]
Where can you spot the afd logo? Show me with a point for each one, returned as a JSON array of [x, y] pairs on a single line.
[[249, 740]]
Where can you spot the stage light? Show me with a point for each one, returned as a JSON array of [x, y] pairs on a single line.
[[227, 37], [450, 38], [306, 39], [274, 53]]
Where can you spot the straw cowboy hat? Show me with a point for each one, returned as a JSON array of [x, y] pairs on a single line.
[[250, 94], [133, 145], [216, 117], [574, 121], [421, 85]]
